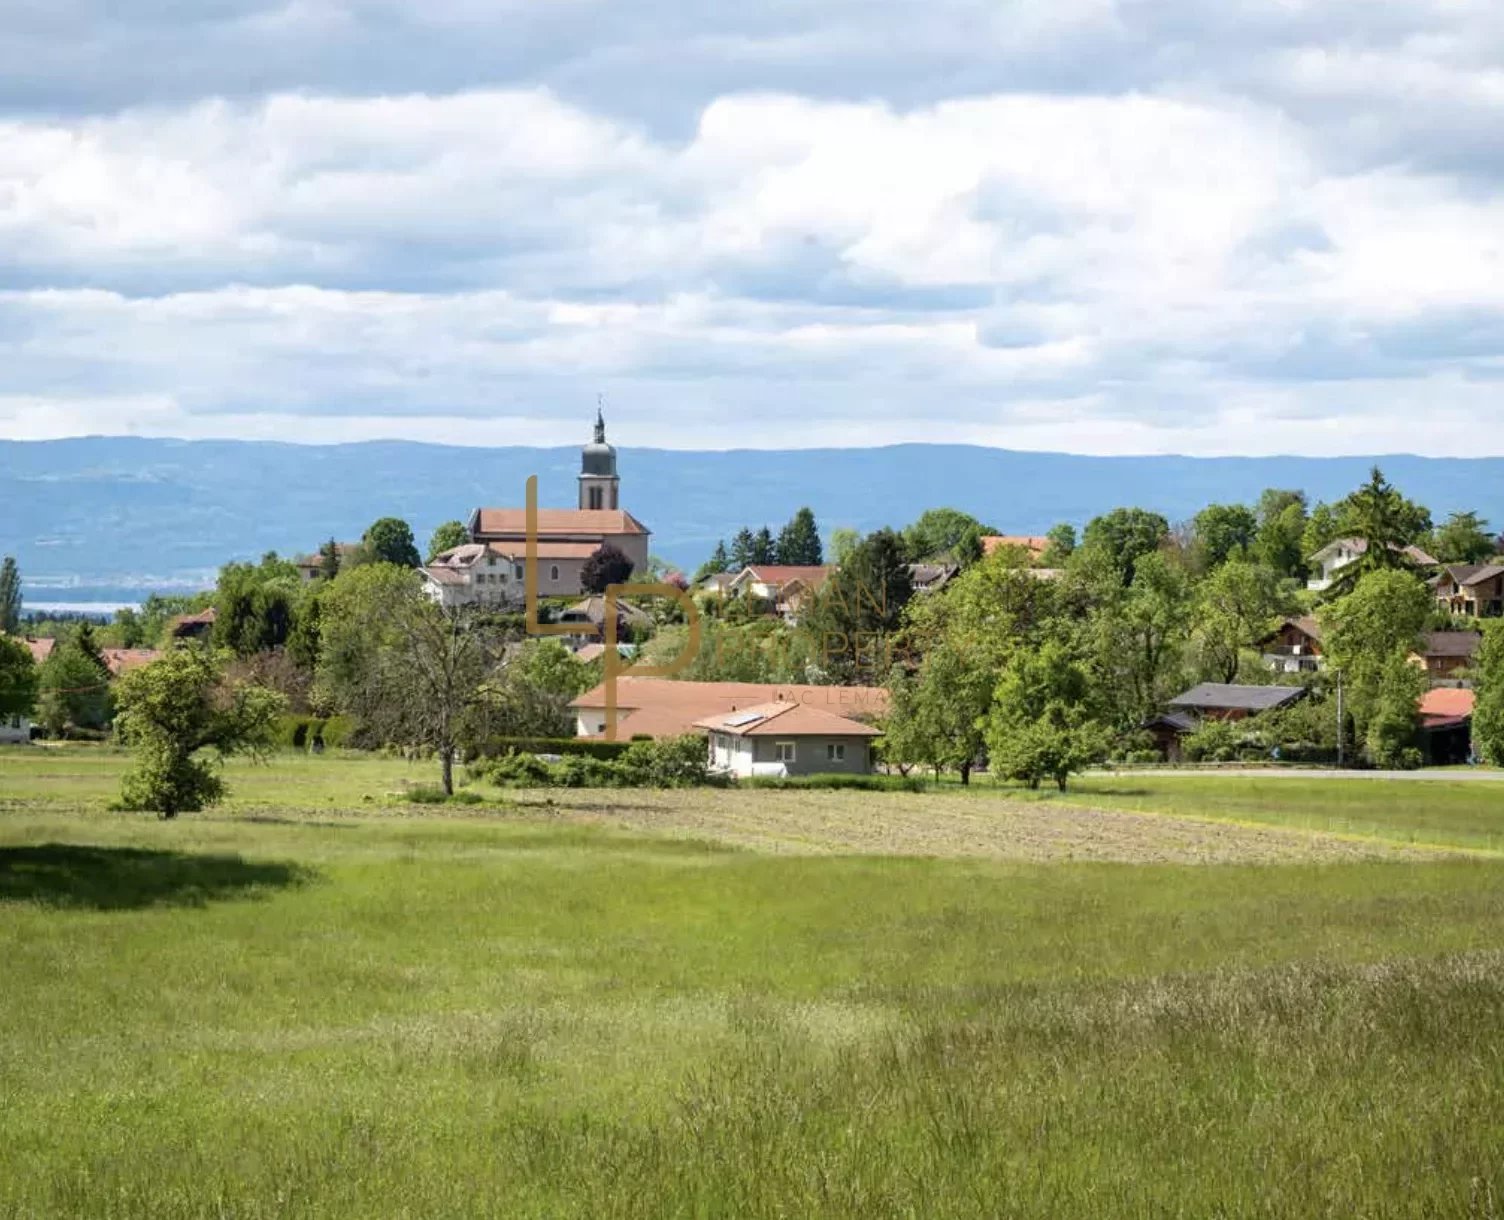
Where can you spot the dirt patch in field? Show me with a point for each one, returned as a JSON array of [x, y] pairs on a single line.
[[907, 824]]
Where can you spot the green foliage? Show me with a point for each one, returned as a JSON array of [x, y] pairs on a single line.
[[1378, 515], [390, 540], [1062, 545], [18, 679], [936, 717], [1488, 716], [1395, 717], [446, 537], [329, 559], [1139, 638], [1236, 607], [1367, 630], [855, 615], [177, 706], [836, 781], [667, 762], [1280, 544], [1219, 741], [799, 541], [843, 541], [1463, 538], [1124, 536], [676, 762], [1041, 726], [939, 531], [1223, 532], [74, 689], [10, 596], [256, 605], [719, 561], [743, 548], [607, 567]]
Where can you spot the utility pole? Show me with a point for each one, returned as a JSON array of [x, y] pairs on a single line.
[[1341, 723]]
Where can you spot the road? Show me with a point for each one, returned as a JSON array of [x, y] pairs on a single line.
[[1445, 775]]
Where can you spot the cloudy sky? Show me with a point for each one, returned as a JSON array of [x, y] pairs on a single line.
[[1104, 226]]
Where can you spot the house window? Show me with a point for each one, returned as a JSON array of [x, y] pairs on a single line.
[[835, 752], [553, 572], [517, 571], [786, 752]]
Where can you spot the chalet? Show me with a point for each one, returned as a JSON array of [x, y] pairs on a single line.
[[193, 626], [1294, 646], [662, 707], [1447, 656], [1473, 590], [782, 584], [788, 737], [1332, 558], [589, 615], [932, 577]]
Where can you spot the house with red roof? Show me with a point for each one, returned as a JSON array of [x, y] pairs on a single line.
[[788, 737]]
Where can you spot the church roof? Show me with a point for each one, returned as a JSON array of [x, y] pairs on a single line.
[[556, 523]]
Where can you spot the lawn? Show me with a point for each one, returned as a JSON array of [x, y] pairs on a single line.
[[314, 1004]]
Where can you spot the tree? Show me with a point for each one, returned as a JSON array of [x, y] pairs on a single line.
[[939, 531], [1124, 536], [1395, 717], [130, 627], [969, 549], [10, 597], [1062, 544], [1139, 639], [719, 561], [743, 548], [1040, 726], [1366, 630], [74, 688], [1236, 606], [390, 540], [1463, 538], [936, 716], [1488, 715], [448, 536], [18, 679], [173, 709], [1222, 532], [256, 605], [856, 614], [529, 696], [764, 549], [1281, 534], [842, 542], [329, 560], [798, 543], [607, 567]]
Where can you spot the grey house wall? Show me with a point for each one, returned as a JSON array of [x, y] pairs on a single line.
[[809, 754]]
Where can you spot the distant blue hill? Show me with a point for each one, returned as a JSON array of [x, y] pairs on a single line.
[[104, 518]]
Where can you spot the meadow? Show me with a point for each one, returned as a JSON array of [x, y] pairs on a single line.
[[321, 1001]]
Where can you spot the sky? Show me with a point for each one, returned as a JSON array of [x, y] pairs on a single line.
[[1099, 226]]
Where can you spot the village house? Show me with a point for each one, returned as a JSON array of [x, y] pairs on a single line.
[[1473, 590], [1447, 656], [785, 587], [1034, 545], [932, 577], [1446, 726], [1214, 701], [188, 627], [489, 569], [1294, 647], [589, 616], [1332, 558], [662, 707], [311, 567], [787, 737]]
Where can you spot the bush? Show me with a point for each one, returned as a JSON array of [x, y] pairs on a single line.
[[499, 747], [516, 771], [339, 731], [673, 762], [1214, 741]]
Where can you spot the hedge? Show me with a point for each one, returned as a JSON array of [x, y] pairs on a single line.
[[838, 779], [605, 751], [309, 732]]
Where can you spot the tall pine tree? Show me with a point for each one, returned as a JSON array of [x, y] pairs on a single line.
[[10, 597], [799, 542]]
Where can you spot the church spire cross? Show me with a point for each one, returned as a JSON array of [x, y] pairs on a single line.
[[600, 419]]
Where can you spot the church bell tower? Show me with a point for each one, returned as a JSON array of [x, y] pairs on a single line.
[[600, 486]]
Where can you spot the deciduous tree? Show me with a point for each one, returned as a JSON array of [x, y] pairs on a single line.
[[174, 709], [18, 679], [390, 540], [1463, 538], [1488, 716], [607, 567], [448, 536]]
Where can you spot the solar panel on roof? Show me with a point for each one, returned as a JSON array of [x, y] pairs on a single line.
[[738, 721]]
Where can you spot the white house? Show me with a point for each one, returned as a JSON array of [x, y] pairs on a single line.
[[14, 730], [1334, 556]]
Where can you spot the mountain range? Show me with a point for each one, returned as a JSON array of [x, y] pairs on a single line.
[[115, 518]]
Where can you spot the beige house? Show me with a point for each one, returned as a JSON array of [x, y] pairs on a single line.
[[1472, 590], [1329, 561], [787, 737], [489, 569]]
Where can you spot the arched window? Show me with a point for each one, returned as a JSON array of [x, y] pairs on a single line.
[[553, 572], [595, 497]]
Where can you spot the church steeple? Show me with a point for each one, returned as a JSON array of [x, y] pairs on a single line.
[[600, 486]]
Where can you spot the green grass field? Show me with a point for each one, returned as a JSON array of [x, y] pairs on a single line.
[[311, 1003]]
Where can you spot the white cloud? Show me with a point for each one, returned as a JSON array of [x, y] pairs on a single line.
[[1245, 217]]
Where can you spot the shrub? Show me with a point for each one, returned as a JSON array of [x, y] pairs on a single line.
[[1214, 741], [432, 794], [517, 771], [499, 747], [838, 780], [673, 762], [338, 732]]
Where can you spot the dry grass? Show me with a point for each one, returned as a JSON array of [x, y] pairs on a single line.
[[958, 825]]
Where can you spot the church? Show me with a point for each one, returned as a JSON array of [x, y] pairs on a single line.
[[489, 569]]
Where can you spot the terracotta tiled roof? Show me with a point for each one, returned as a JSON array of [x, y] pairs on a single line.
[[786, 719], [1033, 543], [661, 707], [123, 660], [1447, 703], [781, 574], [511, 523]]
